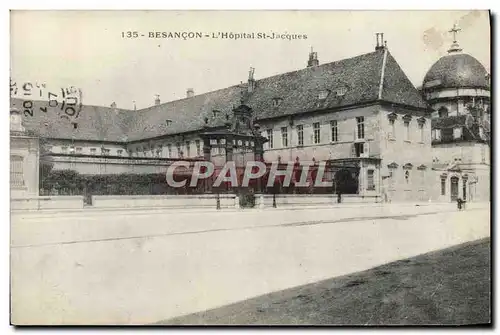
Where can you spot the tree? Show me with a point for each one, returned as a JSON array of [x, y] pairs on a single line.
[[478, 123]]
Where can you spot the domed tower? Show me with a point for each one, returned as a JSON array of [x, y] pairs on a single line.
[[457, 82], [457, 88]]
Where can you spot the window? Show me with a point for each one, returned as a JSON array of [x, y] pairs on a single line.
[[16, 171], [169, 150], [359, 149], [78, 150], [188, 149], [92, 151], [323, 95], [360, 130], [284, 137], [316, 131], [277, 102], [341, 91], [168, 122], [457, 133], [198, 148], [436, 134], [421, 131], [392, 129], [371, 181], [334, 130], [64, 150], [443, 112], [75, 125], [407, 130], [407, 176], [119, 152], [270, 138], [443, 186], [72, 150], [159, 150], [300, 135], [483, 154], [105, 151], [179, 151]]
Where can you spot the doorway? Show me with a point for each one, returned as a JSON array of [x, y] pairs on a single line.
[[454, 189]]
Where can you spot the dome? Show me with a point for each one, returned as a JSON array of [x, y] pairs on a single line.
[[457, 70]]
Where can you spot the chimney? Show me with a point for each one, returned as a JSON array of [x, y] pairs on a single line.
[[189, 93], [157, 99], [113, 104], [16, 121], [381, 44], [135, 107], [251, 80], [313, 59]]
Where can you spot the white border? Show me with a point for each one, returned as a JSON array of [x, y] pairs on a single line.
[[200, 4]]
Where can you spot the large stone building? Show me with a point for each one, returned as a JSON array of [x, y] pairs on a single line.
[[362, 112]]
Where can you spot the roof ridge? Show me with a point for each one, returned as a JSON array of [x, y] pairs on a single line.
[[381, 86], [261, 79], [86, 105]]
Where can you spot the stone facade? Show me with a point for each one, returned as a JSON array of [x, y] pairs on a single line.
[[24, 160]]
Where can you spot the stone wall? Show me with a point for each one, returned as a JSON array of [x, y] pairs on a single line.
[[166, 201]]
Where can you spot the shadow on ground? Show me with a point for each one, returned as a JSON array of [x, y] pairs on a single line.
[[446, 287]]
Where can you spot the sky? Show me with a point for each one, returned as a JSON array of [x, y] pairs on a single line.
[[86, 49]]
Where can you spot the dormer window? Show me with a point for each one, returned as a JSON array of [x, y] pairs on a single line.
[[443, 112], [322, 95], [277, 102], [341, 91]]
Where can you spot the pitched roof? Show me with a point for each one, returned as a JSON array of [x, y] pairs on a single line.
[[93, 122], [360, 77]]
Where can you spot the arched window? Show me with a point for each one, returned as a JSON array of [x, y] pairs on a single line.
[[443, 112]]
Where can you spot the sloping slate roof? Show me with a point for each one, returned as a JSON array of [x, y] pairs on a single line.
[[298, 90], [186, 114], [94, 122], [398, 88]]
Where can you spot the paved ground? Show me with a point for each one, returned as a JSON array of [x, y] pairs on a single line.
[[446, 287], [138, 268]]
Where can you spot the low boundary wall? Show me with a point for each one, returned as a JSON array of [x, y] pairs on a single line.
[[47, 202], [293, 200], [168, 201]]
